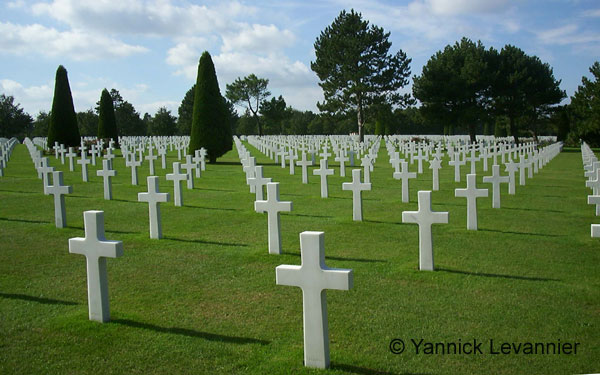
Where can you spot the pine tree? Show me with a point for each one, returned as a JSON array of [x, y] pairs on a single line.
[[211, 127], [63, 120], [107, 123]]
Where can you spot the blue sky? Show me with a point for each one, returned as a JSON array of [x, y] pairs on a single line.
[[149, 49]]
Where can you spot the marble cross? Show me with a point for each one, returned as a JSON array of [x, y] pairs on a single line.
[[59, 190], [435, 165], [425, 217], [511, 168], [457, 162], [106, 173], [177, 176], [594, 199], [258, 181], [314, 277], [46, 170], [357, 187], [471, 193], [495, 179], [134, 164], [273, 206], [189, 167], [154, 197], [342, 159], [96, 249], [323, 171], [304, 164], [151, 157], [404, 175]]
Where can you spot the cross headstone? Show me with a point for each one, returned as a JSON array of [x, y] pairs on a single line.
[[189, 167], [595, 230], [291, 157], [71, 155], [162, 151], [314, 277], [473, 160], [304, 164], [154, 198], [59, 190], [134, 164], [522, 167], [425, 217], [366, 164], [323, 171], [357, 187], [84, 172], [96, 249], [457, 162], [471, 193], [404, 175], [258, 181], [273, 206], [495, 179], [595, 199], [435, 165], [151, 157], [106, 173], [342, 159], [419, 158], [198, 159], [177, 177], [46, 170], [511, 168]]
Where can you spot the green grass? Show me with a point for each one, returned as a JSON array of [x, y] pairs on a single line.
[[204, 299]]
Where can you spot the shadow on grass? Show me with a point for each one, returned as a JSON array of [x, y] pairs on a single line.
[[78, 196], [45, 301], [205, 242], [209, 189], [21, 192], [105, 230], [524, 233], [305, 215], [213, 208], [124, 200], [363, 260], [366, 371], [526, 278], [191, 333], [531, 209], [26, 221], [383, 222]]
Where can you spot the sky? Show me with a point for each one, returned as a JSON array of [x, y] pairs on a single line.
[[149, 49]]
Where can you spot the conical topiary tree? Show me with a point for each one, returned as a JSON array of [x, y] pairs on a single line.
[[63, 120], [210, 122], [107, 123]]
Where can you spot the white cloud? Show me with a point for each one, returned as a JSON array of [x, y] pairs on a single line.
[[32, 98], [18, 4], [257, 38], [593, 13], [568, 35], [78, 45], [455, 7]]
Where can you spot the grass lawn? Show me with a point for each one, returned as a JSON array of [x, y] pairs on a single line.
[[204, 298]]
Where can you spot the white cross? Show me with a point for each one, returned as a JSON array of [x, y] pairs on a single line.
[[457, 163], [59, 190], [133, 164], [189, 166], [595, 230], [55, 148], [109, 156], [323, 171], [435, 165], [151, 157], [46, 171], [511, 168], [425, 217], [495, 179], [93, 153], [473, 160], [203, 155], [366, 164], [162, 151], [198, 159], [395, 161], [84, 162], [304, 163], [471, 193], [342, 159], [419, 158], [273, 206], [249, 169], [283, 155], [154, 197], [405, 175], [314, 277], [357, 187], [62, 151], [595, 199], [522, 166], [258, 181], [291, 157], [106, 173], [177, 177], [71, 155], [96, 249]]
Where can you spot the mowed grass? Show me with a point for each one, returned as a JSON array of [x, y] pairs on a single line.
[[204, 300]]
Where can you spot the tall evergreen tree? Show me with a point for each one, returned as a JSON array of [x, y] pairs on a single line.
[[585, 107], [63, 120], [211, 127], [107, 123]]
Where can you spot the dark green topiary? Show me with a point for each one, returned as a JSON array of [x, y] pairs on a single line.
[[63, 120], [107, 123], [210, 123]]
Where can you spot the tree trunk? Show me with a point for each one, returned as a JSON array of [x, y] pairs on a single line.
[[472, 129], [511, 129], [361, 120]]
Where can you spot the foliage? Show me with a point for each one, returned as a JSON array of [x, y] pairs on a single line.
[[127, 118], [163, 123], [273, 113], [186, 112], [87, 121], [14, 121], [41, 124], [249, 92], [211, 125], [585, 108], [107, 123], [63, 120], [355, 68]]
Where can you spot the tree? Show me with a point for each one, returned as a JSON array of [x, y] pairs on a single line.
[[126, 117], [63, 120], [273, 112], [249, 92], [163, 123], [454, 86], [355, 68], [186, 112], [211, 127], [585, 108], [107, 122], [87, 121], [41, 124], [14, 121]]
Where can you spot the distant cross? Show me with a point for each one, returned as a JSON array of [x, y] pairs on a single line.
[[304, 164], [93, 154], [291, 157], [134, 164], [203, 155], [435, 165], [471, 193], [84, 172], [273, 206], [511, 168], [198, 159], [595, 199], [189, 167], [249, 168], [473, 160], [457, 162], [419, 158], [71, 155], [425, 217], [485, 156], [342, 159], [109, 156], [405, 175], [366, 164], [151, 157], [59, 190], [314, 277], [46, 171], [495, 179], [258, 181], [106, 173], [595, 230], [522, 166], [282, 155], [357, 187], [395, 161], [55, 148], [96, 249], [62, 151], [154, 198], [323, 171], [177, 176]]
